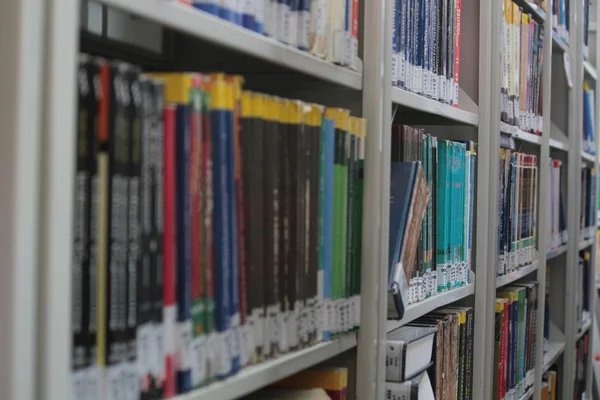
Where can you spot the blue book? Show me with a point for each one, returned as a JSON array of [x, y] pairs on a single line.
[[442, 186], [419, 46], [303, 17], [229, 11], [426, 47], [209, 6], [407, 209], [249, 16], [182, 215], [234, 310], [473, 163], [222, 239], [395, 40], [401, 16], [326, 214]]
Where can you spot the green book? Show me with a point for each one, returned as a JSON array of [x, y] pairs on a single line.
[[442, 184]]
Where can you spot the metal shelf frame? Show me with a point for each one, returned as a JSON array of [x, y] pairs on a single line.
[[39, 40]]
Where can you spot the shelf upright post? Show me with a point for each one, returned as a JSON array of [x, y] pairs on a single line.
[[592, 267], [57, 188], [574, 192], [542, 211], [377, 109], [22, 48], [490, 75]]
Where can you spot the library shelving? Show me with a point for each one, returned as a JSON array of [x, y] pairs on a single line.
[[41, 41]]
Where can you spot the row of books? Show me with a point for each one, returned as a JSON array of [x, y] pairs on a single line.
[[515, 333], [426, 48], [556, 234], [517, 214], [443, 257], [432, 357], [581, 366], [214, 228], [589, 125], [587, 214], [326, 28], [522, 63], [582, 300], [560, 19], [549, 389]]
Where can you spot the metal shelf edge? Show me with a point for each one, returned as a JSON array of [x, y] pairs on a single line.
[[417, 310], [517, 133], [556, 252], [557, 144], [554, 351], [586, 326], [516, 275], [260, 375], [417, 102]]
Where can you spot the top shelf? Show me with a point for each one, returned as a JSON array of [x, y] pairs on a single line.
[[223, 33], [429, 106]]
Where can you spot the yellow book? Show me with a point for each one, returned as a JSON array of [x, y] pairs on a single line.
[[334, 380]]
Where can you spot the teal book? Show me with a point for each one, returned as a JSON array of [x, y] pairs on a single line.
[[442, 188], [461, 213], [452, 215]]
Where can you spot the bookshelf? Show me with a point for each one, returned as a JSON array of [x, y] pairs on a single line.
[[37, 205]]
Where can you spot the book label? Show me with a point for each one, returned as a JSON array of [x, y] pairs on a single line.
[[284, 344], [401, 68], [198, 360], [223, 350], [259, 10], [400, 391], [212, 354], [358, 310], [144, 348], [283, 22], [418, 80], [157, 355], [295, 328], [246, 343], [273, 324], [329, 315], [184, 339]]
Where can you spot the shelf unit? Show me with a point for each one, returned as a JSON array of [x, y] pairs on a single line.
[[41, 47]]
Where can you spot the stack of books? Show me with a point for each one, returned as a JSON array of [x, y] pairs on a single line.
[[589, 126], [587, 216], [214, 227], [517, 214], [522, 63], [426, 48], [326, 28], [556, 234], [432, 357], [443, 260], [514, 355], [560, 19]]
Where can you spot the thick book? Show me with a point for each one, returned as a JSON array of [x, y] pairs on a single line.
[[408, 351], [418, 388], [407, 212]]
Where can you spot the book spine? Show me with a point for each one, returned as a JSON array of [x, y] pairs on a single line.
[[81, 311], [457, 53], [394, 360], [222, 242], [402, 42], [434, 47], [441, 237], [395, 41], [209, 6], [426, 46]]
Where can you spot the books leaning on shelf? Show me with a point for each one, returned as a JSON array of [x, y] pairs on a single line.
[[447, 360], [517, 214], [426, 48], [325, 28], [522, 62], [589, 138], [560, 18], [409, 195], [214, 227], [443, 259], [582, 300], [556, 234], [587, 217], [549, 385], [515, 332], [581, 366]]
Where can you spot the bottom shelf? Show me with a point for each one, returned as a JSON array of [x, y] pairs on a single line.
[[260, 375]]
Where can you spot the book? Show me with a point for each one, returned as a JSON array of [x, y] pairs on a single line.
[[589, 139], [581, 366], [418, 388], [587, 215], [407, 210], [408, 351], [556, 234]]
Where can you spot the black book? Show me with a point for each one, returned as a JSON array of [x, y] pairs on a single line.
[[313, 132]]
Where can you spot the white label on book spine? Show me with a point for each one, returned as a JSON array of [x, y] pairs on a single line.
[[198, 359], [294, 325], [418, 80], [426, 85], [434, 87], [79, 385], [401, 68], [394, 69], [273, 327], [259, 10], [283, 333], [184, 339], [397, 391], [283, 21], [329, 315], [144, 344], [224, 344], [294, 23], [304, 29], [348, 50]]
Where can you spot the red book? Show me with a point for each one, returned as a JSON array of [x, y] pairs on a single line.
[[504, 347], [354, 32], [169, 289], [457, 51]]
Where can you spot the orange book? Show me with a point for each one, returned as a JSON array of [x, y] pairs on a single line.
[[334, 380]]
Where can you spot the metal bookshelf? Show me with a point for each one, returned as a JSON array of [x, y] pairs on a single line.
[[40, 45]]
